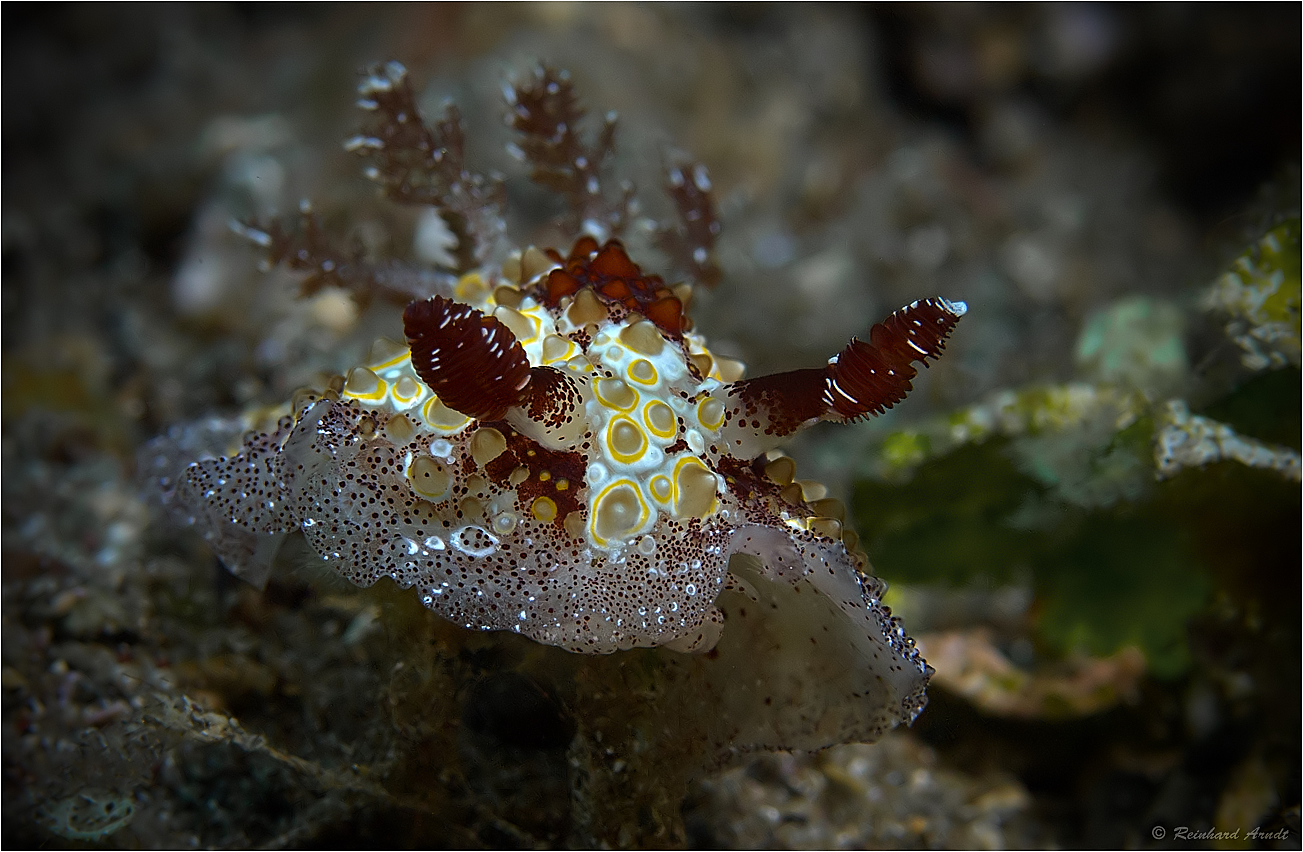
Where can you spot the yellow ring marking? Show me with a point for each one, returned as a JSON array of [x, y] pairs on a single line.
[[662, 490], [642, 372], [615, 394], [617, 512], [524, 326], [386, 353], [660, 419], [398, 361], [556, 349], [625, 440], [364, 384], [543, 509], [710, 413], [406, 389], [470, 289], [442, 418]]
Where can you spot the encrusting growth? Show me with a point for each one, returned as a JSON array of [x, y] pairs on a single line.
[[555, 451]]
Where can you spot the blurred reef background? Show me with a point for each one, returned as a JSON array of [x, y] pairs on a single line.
[[1089, 509]]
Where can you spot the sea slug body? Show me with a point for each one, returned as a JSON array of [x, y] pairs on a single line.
[[553, 450]]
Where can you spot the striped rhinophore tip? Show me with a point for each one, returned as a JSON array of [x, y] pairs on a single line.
[[864, 378], [867, 378], [472, 362]]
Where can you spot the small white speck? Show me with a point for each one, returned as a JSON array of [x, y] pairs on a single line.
[[701, 179]]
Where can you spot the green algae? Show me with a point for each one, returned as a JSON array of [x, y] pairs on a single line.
[[1122, 578], [1104, 575], [1128, 512], [950, 524], [1261, 294], [1135, 342], [1103, 578]]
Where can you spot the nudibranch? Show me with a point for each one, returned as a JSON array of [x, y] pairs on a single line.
[[560, 456], [553, 450]]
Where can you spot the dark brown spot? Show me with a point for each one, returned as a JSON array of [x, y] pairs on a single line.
[[567, 467]]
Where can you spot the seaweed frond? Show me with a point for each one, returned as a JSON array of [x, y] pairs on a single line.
[[546, 113], [420, 164], [691, 244]]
